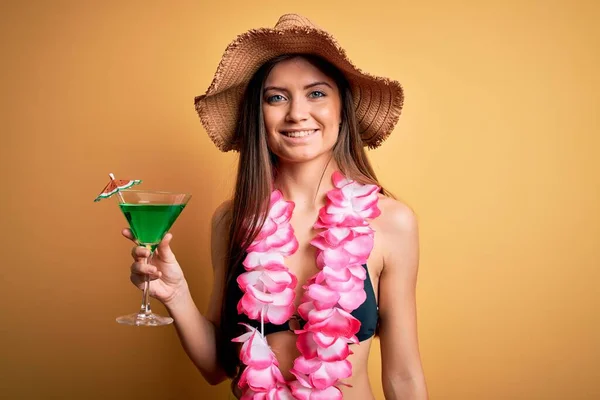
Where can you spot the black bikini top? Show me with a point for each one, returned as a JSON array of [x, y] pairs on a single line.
[[367, 313]]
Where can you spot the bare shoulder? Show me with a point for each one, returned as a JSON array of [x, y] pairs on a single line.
[[396, 217], [222, 215], [398, 233], [219, 236], [220, 223]]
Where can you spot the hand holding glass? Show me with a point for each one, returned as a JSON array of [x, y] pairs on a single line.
[[150, 215]]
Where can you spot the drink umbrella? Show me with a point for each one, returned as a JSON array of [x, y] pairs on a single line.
[[114, 186]]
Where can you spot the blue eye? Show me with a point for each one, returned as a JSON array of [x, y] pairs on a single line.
[[317, 94], [275, 98]]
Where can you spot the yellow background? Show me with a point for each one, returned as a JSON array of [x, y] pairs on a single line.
[[497, 150]]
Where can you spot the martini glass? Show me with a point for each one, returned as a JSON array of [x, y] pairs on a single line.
[[150, 215]]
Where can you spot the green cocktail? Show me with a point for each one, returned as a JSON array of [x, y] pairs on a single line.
[[150, 222], [150, 216]]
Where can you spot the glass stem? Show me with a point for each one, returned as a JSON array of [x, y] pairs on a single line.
[[145, 309]]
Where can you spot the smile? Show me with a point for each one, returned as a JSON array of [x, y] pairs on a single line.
[[299, 134]]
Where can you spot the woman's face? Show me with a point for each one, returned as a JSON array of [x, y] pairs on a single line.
[[302, 111]]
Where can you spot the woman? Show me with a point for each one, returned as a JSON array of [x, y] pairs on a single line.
[[310, 259]]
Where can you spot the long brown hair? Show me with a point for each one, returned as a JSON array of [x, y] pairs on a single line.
[[257, 168]]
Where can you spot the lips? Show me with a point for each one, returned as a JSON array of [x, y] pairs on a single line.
[[298, 133]]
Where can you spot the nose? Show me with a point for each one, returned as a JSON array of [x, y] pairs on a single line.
[[298, 110]]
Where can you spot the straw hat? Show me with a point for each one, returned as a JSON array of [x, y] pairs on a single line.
[[378, 101]]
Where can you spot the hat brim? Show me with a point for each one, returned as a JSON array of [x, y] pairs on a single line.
[[378, 101]]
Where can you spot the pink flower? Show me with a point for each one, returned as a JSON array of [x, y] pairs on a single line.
[[273, 281], [336, 290], [342, 280], [325, 291], [342, 285], [350, 301], [279, 392], [268, 285], [355, 249], [261, 379], [322, 296], [275, 307], [321, 374], [276, 233], [269, 227], [349, 204], [335, 350], [302, 392], [255, 350], [324, 340], [332, 322], [358, 271], [334, 236], [359, 248], [281, 210], [281, 240], [272, 261]]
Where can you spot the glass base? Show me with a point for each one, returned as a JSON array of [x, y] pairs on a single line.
[[142, 319]]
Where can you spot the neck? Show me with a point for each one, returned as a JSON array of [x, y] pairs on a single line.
[[306, 183]]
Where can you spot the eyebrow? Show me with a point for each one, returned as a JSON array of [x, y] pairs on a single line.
[[305, 87]]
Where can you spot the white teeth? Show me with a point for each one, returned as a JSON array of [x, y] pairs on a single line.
[[299, 133]]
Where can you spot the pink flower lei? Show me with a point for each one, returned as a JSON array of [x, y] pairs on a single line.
[[331, 295]]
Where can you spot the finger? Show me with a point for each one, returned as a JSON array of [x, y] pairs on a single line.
[[166, 240], [142, 269], [128, 234], [138, 279], [140, 253], [164, 248]]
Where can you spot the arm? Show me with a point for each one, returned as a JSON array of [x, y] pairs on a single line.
[[197, 333], [402, 373]]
